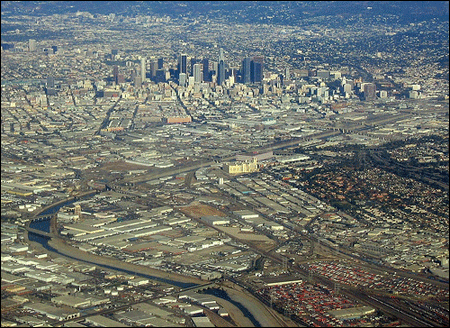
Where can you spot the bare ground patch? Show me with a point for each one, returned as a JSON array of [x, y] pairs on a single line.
[[198, 210]]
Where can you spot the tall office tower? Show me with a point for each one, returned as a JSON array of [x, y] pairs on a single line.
[[191, 81], [137, 81], [160, 75], [205, 69], [182, 79], [182, 64], [193, 62], [50, 81], [153, 68], [221, 68], [143, 69], [114, 52], [55, 49], [32, 45], [347, 88], [116, 74], [257, 67], [246, 70], [160, 63], [287, 74], [370, 91], [197, 72]]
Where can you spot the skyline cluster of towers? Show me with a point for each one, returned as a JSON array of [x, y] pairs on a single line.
[[197, 71]]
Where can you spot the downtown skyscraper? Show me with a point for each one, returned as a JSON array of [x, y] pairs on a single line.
[[221, 68]]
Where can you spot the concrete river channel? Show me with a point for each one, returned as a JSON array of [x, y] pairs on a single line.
[[44, 225]]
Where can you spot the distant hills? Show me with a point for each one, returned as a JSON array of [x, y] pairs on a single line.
[[269, 12]]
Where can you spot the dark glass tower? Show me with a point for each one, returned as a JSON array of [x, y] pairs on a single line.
[[257, 67], [116, 74], [246, 74], [182, 64], [221, 68], [205, 69]]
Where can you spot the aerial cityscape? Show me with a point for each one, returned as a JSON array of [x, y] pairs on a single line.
[[224, 163]]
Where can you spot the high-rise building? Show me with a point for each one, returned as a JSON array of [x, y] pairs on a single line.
[[197, 70], [116, 73], [287, 74], [153, 68], [182, 64], [137, 81], [347, 88], [32, 45], [246, 70], [191, 81], [221, 68], [370, 90], [205, 69], [257, 66], [50, 81], [160, 75], [118, 78], [193, 62], [143, 69], [182, 79], [160, 63], [55, 49]]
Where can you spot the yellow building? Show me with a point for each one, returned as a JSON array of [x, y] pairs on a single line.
[[241, 167]]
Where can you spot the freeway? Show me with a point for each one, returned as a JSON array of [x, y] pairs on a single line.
[[332, 132], [199, 164]]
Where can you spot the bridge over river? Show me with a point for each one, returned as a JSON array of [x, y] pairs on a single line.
[[39, 232]]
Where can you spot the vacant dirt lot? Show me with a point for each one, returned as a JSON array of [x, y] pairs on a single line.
[[197, 210]]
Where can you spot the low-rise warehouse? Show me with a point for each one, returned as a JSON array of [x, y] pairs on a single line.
[[352, 313]]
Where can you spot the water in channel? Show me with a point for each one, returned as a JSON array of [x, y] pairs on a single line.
[[223, 294], [45, 226]]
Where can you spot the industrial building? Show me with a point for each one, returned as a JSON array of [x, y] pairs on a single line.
[[101, 321], [57, 313], [215, 220], [241, 167], [352, 313]]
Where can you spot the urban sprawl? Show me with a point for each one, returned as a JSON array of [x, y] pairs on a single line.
[[174, 172]]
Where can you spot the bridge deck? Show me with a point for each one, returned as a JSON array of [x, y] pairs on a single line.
[[39, 232]]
